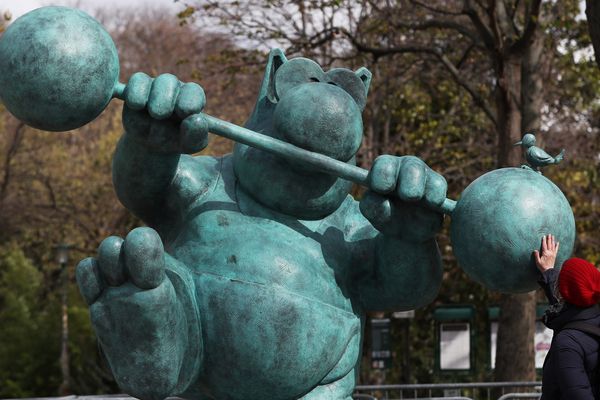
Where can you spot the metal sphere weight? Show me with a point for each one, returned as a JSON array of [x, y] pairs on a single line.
[[498, 222], [58, 68]]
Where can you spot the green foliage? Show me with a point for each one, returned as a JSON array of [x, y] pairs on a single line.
[[187, 13], [26, 362]]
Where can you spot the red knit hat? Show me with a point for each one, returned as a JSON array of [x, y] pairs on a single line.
[[579, 282]]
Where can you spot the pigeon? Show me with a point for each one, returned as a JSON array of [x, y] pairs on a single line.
[[535, 156]]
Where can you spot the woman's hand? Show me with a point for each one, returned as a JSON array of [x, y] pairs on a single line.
[[549, 251]]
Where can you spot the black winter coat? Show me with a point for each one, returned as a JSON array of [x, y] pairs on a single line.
[[570, 365]]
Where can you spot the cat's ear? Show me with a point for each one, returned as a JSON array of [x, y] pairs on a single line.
[[365, 76], [276, 60]]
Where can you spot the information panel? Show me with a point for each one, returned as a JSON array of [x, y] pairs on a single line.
[[381, 352], [455, 346], [541, 343], [543, 338]]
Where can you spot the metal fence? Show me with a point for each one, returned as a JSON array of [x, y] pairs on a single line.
[[508, 396], [512, 396], [419, 398], [450, 391], [368, 397], [432, 391]]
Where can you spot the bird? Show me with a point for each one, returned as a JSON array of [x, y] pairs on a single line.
[[535, 156]]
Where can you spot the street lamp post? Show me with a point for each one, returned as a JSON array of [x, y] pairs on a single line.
[[62, 257]]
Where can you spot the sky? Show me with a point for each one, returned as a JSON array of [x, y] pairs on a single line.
[[20, 7]]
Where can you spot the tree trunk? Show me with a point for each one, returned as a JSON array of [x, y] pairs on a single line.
[[64, 388], [532, 87], [508, 106], [515, 357], [592, 11]]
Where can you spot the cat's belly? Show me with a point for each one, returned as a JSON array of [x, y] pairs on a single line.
[[264, 342], [277, 319]]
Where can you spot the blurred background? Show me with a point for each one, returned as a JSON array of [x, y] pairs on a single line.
[[455, 83]]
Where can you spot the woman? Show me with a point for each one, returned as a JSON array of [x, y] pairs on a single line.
[[570, 365]]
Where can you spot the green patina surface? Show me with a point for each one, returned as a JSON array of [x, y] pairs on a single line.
[[59, 67], [536, 157], [281, 263], [255, 272], [499, 221]]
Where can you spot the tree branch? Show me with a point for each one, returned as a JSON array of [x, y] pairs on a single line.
[[440, 24], [485, 32], [533, 18], [454, 72], [465, 56], [387, 51], [477, 99], [10, 154], [514, 10], [592, 12], [513, 13], [505, 22], [436, 10]]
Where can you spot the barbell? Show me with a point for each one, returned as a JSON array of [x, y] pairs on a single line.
[[59, 70]]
